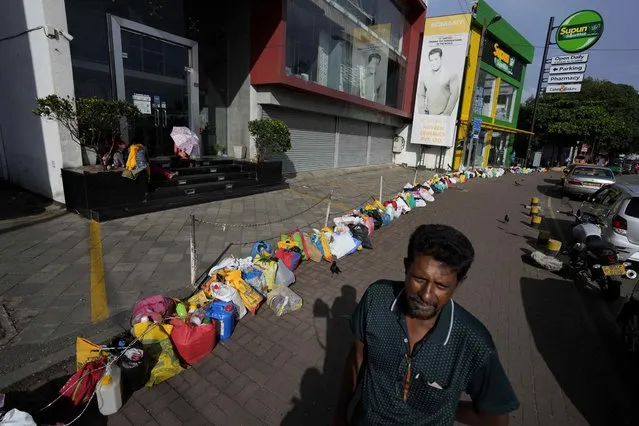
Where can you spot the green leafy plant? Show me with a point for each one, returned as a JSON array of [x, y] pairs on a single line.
[[92, 122], [271, 137], [220, 148]]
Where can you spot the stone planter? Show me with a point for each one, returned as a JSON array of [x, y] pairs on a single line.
[[89, 188], [269, 172]]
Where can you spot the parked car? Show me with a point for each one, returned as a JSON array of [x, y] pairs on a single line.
[[617, 208], [586, 180]]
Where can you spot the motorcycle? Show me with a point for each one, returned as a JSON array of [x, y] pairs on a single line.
[[596, 262]]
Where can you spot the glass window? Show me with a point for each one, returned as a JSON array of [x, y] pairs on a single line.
[[632, 209], [593, 172], [505, 101], [485, 91], [498, 149], [350, 46]]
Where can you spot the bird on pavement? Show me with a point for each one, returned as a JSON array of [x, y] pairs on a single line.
[[517, 183], [335, 269], [506, 219]]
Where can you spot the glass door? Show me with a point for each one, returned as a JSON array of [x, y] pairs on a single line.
[[157, 72]]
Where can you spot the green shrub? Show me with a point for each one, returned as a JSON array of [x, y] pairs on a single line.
[[271, 137]]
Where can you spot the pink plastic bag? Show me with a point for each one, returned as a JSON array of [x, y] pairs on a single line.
[[154, 307], [370, 224]]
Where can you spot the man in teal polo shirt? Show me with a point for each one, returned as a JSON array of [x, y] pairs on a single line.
[[417, 350]]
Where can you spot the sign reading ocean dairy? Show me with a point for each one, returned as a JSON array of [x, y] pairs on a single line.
[[579, 31], [569, 59], [439, 81]]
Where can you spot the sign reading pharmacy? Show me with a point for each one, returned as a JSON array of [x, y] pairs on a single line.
[[565, 78], [579, 31]]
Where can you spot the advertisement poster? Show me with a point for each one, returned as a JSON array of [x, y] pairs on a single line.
[[370, 60], [439, 80]]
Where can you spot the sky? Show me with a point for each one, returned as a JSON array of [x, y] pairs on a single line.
[[530, 18]]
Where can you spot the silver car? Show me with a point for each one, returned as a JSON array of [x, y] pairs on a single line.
[[617, 209], [586, 180]]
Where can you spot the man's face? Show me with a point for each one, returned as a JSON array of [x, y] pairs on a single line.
[[435, 61], [428, 287], [372, 65]]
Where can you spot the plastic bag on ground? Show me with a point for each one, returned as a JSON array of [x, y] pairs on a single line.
[[290, 258], [283, 300], [284, 277], [268, 266], [261, 247], [314, 253], [227, 263], [86, 351], [360, 232], [81, 385], [157, 344], [226, 293], [192, 342], [154, 307], [251, 298], [343, 244], [16, 417], [255, 278]]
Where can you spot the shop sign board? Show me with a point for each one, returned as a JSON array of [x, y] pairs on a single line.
[[567, 69], [569, 59], [579, 31], [439, 81], [563, 88], [502, 58], [565, 78]]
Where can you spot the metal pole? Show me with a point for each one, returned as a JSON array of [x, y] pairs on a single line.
[[469, 133], [193, 252], [328, 209], [381, 186], [542, 70]]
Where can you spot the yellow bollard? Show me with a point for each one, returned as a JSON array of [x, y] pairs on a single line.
[[553, 247], [542, 238], [534, 201], [534, 210], [535, 221]]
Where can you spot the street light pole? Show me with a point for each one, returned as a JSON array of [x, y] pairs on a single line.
[[469, 135]]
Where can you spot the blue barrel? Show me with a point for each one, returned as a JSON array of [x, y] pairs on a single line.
[[224, 315]]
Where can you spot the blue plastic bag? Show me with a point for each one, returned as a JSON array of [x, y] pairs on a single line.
[[261, 247]]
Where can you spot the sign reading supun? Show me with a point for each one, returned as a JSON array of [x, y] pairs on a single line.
[[499, 56], [579, 31]]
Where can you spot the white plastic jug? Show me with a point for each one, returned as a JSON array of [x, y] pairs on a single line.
[[109, 391]]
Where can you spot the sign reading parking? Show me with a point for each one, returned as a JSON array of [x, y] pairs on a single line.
[[567, 69], [569, 59]]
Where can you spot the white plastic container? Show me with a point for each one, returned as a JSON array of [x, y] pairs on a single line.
[[109, 391]]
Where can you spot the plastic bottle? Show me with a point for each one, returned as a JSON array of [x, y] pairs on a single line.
[[224, 314], [109, 391], [197, 317]]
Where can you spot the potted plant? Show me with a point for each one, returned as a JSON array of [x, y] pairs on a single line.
[[97, 126], [271, 137]]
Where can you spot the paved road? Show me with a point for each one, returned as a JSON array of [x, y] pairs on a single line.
[[558, 346]]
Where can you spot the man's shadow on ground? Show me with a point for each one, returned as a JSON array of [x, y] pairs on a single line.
[[319, 389]]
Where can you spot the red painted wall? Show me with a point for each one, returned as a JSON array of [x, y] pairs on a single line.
[[268, 55]]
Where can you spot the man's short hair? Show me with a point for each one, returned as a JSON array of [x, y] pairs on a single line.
[[445, 244], [375, 56], [434, 51]]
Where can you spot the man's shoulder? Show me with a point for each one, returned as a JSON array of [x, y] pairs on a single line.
[[384, 290], [471, 327]]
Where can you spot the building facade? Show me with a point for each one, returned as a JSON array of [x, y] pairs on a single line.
[[340, 73], [499, 91]]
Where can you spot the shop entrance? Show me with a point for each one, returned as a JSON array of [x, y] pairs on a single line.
[[158, 72]]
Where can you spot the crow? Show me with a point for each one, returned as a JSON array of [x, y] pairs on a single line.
[[335, 269], [517, 183], [506, 219]]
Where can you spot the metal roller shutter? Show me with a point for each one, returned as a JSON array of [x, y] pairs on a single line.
[[353, 143], [381, 144], [312, 139]]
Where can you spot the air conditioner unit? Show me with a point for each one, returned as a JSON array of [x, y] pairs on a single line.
[[398, 144]]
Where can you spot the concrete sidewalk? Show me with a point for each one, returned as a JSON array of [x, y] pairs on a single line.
[[67, 276]]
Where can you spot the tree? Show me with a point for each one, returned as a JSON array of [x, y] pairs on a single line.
[[603, 114]]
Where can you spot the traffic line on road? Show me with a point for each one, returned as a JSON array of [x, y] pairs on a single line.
[[99, 307]]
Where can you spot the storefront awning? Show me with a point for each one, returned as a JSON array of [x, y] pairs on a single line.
[[500, 128]]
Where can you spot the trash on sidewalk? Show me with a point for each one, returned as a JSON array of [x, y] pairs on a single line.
[[547, 262]]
